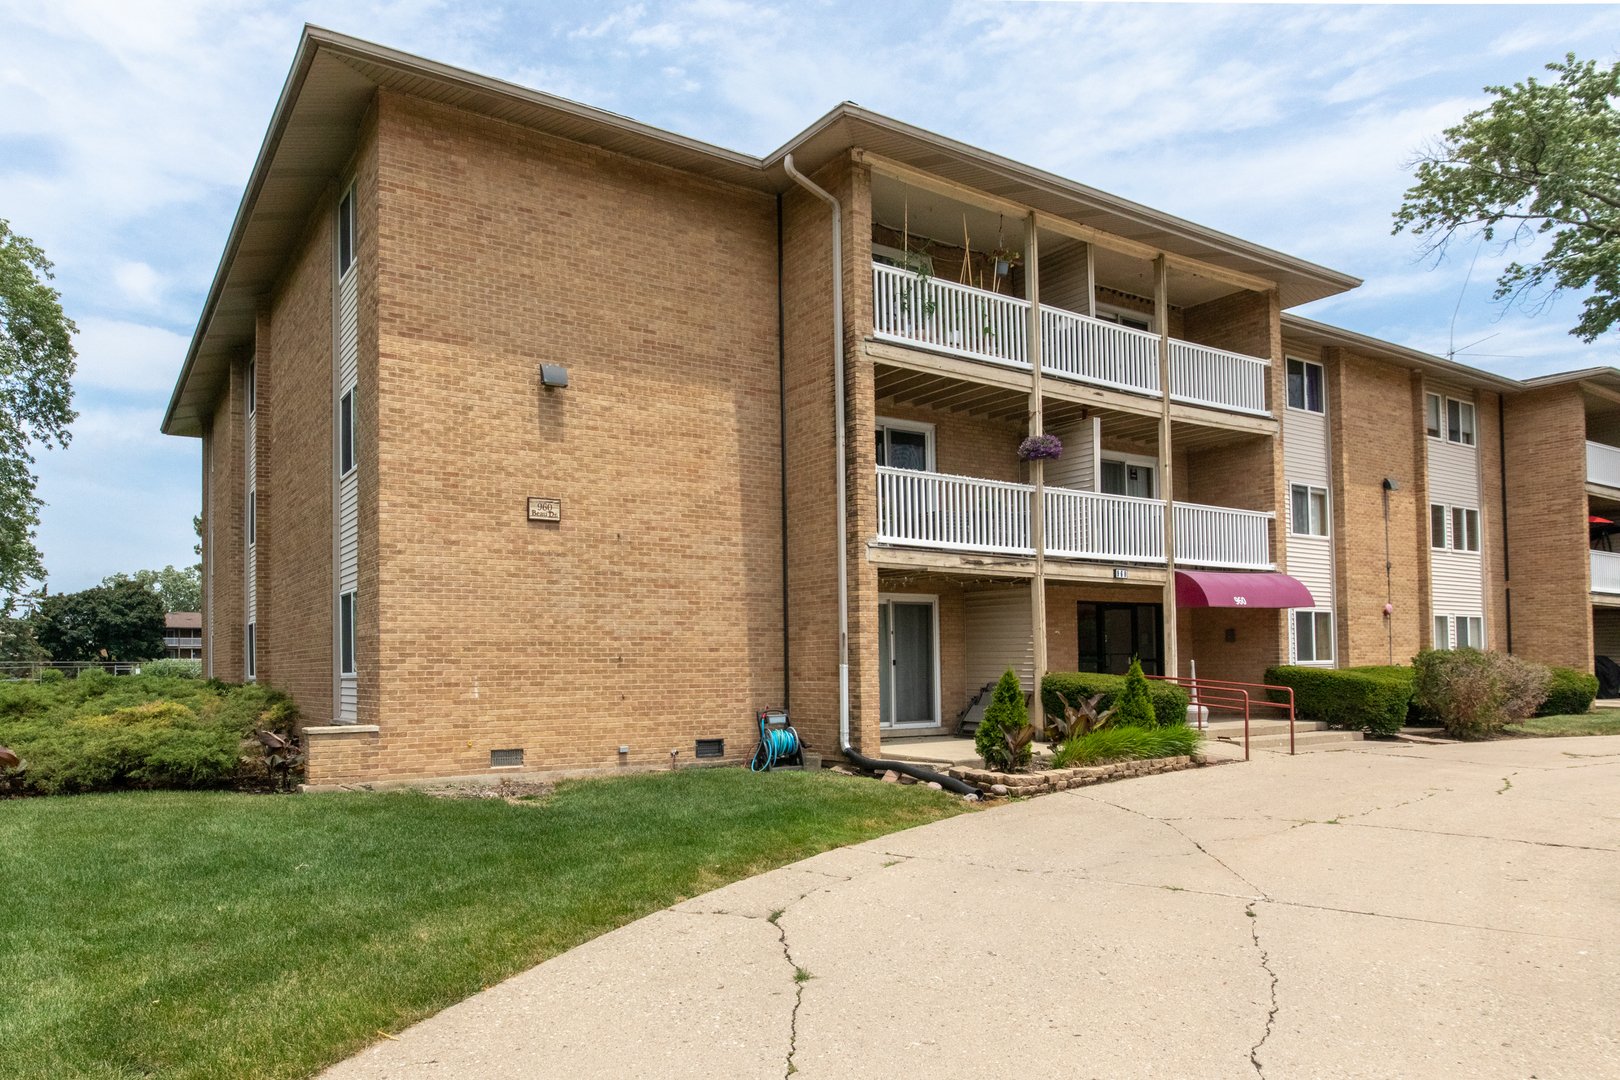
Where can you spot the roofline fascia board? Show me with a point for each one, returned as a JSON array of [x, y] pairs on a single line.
[[1341, 337]]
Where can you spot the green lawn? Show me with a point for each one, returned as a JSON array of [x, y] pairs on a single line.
[[199, 934], [1600, 722]]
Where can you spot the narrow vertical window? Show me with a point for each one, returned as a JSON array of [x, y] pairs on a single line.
[[1437, 525], [346, 233], [1304, 637], [1302, 509], [346, 434], [1476, 632], [1324, 635], [1442, 632], [1471, 526], [1296, 384], [1313, 387], [1319, 518], [346, 632], [252, 653], [253, 516], [1458, 533], [252, 388], [1431, 411]]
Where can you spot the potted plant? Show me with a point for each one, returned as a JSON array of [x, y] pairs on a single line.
[[1040, 448]]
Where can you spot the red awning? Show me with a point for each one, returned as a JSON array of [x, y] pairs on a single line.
[[1593, 519], [1203, 588]]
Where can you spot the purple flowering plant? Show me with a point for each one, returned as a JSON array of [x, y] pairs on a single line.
[[1040, 448]]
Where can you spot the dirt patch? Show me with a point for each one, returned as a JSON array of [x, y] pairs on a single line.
[[516, 792]]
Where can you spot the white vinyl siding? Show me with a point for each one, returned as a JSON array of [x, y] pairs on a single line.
[[348, 543], [999, 635], [250, 525], [1456, 573], [1077, 467], [1310, 554]]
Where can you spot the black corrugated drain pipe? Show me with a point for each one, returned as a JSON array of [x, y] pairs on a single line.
[[949, 783]]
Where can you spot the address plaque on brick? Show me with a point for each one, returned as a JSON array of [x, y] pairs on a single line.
[[545, 509]]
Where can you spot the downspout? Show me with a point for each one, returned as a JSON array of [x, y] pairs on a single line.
[[949, 783], [781, 384], [1507, 577]]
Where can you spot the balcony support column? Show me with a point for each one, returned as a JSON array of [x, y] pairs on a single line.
[[1037, 508], [1167, 488], [1091, 280]]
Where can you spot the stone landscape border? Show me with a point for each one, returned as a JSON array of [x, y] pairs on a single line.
[[1049, 780]]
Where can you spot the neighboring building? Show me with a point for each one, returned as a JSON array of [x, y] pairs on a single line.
[[182, 635], [520, 436]]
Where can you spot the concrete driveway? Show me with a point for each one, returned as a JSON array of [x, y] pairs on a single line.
[[1379, 912]]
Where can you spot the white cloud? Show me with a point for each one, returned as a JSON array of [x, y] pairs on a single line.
[[116, 355], [139, 283]]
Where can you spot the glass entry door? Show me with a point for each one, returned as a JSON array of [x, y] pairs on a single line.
[[1110, 634], [908, 673]]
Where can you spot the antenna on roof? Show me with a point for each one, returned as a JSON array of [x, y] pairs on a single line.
[[1451, 336]]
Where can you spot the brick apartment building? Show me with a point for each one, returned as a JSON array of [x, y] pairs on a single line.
[[521, 439]]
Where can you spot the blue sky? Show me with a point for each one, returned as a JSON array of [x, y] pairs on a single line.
[[127, 131]]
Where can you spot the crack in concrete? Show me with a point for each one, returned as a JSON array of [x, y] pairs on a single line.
[[1477, 836], [798, 997], [1271, 1014], [1172, 826]]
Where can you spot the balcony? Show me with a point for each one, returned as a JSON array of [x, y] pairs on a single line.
[[986, 326], [1606, 572], [960, 513], [1603, 465]]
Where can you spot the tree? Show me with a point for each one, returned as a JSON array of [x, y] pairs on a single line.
[[1005, 715], [1134, 708], [122, 621], [36, 398], [181, 590], [1543, 158]]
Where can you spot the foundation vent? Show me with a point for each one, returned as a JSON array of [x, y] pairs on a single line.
[[505, 758], [710, 748]]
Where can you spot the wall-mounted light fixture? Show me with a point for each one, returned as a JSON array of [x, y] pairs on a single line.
[[553, 376]]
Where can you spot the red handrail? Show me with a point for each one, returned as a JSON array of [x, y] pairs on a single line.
[[1227, 689]]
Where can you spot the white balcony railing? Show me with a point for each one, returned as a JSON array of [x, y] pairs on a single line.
[[1605, 572], [961, 513], [984, 326], [1603, 464]]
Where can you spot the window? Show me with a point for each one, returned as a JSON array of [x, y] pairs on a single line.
[[1132, 476], [1470, 632], [253, 516], [252, 388], [346, 233], [346, 434], [893, 256], [1431, 413], [1313, 637], [1442, 632], [1459, 422], [1437, 525], [1304, 386], [902, 445], [1464, 529], [252, 649], [1310, 511], [346, 633], [1136, 320]]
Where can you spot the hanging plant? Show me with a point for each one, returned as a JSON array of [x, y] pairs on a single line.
[[1005, 260], [1040, 448]]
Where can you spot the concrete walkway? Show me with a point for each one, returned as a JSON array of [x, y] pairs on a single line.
[[1382, 911]]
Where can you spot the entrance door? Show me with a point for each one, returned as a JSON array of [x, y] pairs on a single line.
[[1110, 634], [908, 674]]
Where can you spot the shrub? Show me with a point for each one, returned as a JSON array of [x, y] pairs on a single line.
[[1169, 700], [1373, 699], [173, 669], [1006, 715], [1569, 693], [1127, 744], [51, 675], [97, 733], [1135, 707], [1473, 693]]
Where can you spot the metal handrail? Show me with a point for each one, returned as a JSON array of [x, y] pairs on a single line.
[[1199, 686]]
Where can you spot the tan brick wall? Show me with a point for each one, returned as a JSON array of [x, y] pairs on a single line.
[[223, 591], [295, 489], [1546, 527], [963, 445], [650, 615], [1491, 523], [1374, 435]]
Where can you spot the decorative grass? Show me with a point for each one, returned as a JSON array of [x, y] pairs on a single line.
[[1127, 744], [209, 934]]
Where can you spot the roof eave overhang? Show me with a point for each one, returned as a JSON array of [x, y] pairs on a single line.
[[1316, 333]]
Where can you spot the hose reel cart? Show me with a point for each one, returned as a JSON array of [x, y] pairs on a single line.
[[779, 743]]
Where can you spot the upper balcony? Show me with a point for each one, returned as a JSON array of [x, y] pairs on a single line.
[[966, 514], [916, 310], [1603, 465]]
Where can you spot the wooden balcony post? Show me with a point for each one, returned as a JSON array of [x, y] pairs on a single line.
[[1167, 489], [1037, 509], [1091, 280]]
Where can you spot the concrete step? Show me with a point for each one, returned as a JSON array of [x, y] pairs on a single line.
[[1261, 727], [1303, 740]]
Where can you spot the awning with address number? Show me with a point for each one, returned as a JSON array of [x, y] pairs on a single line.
[[1204, 588]]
